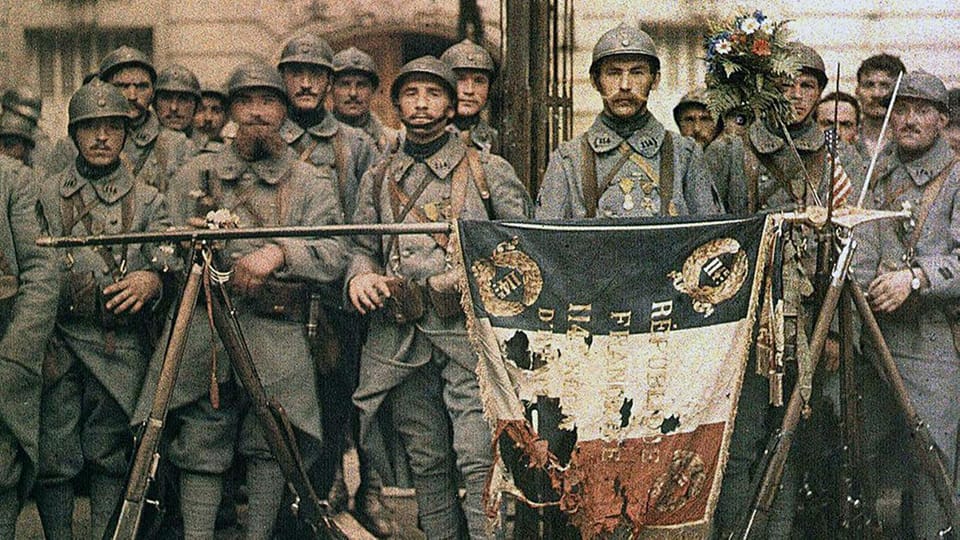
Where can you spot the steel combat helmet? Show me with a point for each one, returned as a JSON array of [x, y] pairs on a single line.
[[355, 60], [254, 75], [23, 101], [307, 49], [469, 55], [13, 124], [810, 60], [177, 78], [624, 40], [126, 56], [426, 65], [97, 99]]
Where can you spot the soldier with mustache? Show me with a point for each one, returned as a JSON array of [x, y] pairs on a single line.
[[176, 98], [355, 82], [876, 77]]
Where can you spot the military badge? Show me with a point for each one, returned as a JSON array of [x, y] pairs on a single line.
[[509, 281], [712, 274]]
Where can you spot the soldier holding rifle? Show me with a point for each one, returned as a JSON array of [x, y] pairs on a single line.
[[93, 374], [256, 181]]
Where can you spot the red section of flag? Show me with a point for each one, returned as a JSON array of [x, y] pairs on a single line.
[[639, 483], [842, 187]]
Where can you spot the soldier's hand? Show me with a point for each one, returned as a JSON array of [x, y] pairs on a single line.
[[252, 269], [888, 291], [368, 291], [132, 292], [446, 282]]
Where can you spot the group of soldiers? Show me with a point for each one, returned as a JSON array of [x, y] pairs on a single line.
[[151, 151]]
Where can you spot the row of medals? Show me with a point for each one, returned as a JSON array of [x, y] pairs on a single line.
[[627, 186]]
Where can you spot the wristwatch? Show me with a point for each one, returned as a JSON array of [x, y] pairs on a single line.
[[915, 282]]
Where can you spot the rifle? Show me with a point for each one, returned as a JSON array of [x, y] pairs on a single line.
[[193, 235], [143, 470], [273, 419]]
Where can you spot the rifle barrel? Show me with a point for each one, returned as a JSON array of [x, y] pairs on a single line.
[[205, 235]]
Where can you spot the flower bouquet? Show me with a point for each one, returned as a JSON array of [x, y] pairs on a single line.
[[746, 58]]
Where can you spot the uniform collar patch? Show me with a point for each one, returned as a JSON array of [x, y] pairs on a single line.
[[645, 141], [147, 132]]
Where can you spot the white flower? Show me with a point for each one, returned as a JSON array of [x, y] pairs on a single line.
[[196, 193], [221, 219], [723, 46], [767, 27], [749, 25]]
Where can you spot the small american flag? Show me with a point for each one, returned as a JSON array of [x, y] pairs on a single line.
[[842, 187]]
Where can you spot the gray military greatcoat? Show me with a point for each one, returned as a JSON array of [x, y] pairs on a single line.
[[26, 322], [624, 185]]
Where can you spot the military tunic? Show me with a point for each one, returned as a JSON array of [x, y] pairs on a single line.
[[385, 138], [97, 356], [151, 152], [332, 146], [919, 333], [481, 136], [25, 323], [630, 191], [270, 192]]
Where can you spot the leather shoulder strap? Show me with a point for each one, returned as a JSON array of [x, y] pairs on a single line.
[[588, 177], [341, 155], [930, 193], [666, 174], [479, 180]]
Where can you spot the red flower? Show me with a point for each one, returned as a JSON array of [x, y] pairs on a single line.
[[738, 38], [761, 47]]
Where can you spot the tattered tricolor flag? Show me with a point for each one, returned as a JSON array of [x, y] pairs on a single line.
[[611, 355]]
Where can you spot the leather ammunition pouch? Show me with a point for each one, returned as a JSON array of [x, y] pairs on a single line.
[[322, 336], [405, 304], [445, 304], [285, 300], [82, 299]]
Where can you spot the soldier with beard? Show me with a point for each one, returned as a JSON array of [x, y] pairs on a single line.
[[475, 72], [93, 374], [355, 82], [259, 179], [417, 372]]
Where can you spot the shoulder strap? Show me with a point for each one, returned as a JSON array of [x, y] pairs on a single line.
[[479, 180], [930, 192], [341, 152], [308, 151], [666, 174], [588, 177]]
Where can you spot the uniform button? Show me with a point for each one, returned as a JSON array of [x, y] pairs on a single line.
[[407, 252]]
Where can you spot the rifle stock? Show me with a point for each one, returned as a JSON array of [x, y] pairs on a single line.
[[147, 457], [277, 430]]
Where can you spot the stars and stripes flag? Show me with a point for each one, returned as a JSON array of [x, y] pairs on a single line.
[[610, 360]]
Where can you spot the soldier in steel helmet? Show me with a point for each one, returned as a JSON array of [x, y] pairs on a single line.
[[626, 164], [209, 119], [28, 296], [306, 65], [259, 178], [16, 137], [25, 105], [762, 170], [417, 371], [475, 74], [93, 374], [694, 119], [176, 98], [911, 274], [355, 81]]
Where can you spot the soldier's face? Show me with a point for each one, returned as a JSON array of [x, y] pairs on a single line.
[[210, 116], [425, 107], [100, 140], [136, 85], [175, 109], [14, 147], [473, 88], [624, 83], [916, 125], [258, 108], [872, 90], [306, 84], [846, 119], [803, 91], [697, 122], [352, 93]]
